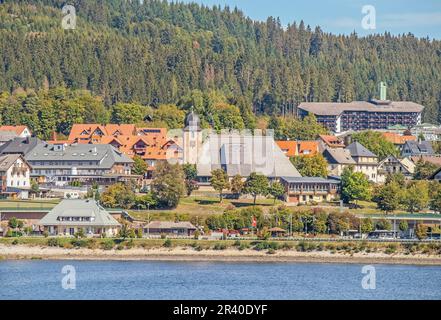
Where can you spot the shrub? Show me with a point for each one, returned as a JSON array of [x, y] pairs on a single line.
[[237, 243], [266, 245], [167, 243], [243, 246], [79, 243], [108, 244], [391, 248], [15, 242], [220, 246], [92, 244], [53, 242], [46, 234]]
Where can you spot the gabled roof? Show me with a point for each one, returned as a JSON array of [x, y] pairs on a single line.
[[6, 161], [17, 129], [308, 147], [106, 155], [433, 159], [79, 208], [357, 150], [19, 145], [332, 141], [243, 154], [406, 163], [85, 131], [338, 156], [419, 148], [288, 147]]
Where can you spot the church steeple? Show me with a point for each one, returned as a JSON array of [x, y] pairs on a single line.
[[192, 138]]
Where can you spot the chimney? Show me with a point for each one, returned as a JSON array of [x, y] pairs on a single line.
[[383, 91]]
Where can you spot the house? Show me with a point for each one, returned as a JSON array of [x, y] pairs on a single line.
[[365, 161], [14, 176], [430, 132], [62, 164], [92, 133], [303, 190], [20, 131], [19, 146], [298, 148], [330, 142], [70, 216], [151, 144], [393, 165], [6, 136], [338, 159], [364, 115], [398, 140], [170, 228], [433, 159], [415, 148]]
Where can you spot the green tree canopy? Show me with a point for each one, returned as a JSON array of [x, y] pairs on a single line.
[[255, 185], [168, 185], [355, 186], [219, 181], [311, 166], [376, 143]]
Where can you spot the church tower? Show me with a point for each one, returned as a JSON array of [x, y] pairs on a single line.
[[192, 138]]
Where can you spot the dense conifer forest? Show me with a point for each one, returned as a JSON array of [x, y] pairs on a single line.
[[162, 55]]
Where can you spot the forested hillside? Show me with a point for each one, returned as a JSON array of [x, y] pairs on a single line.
[[160, 53]]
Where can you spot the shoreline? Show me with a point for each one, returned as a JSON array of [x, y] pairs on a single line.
[[181, 254]]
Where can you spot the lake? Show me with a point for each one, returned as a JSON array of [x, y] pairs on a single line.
[[213, 280]]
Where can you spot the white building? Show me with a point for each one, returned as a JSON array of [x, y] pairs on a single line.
[[15, 176]]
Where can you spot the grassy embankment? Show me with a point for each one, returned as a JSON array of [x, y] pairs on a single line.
[[269, 247]]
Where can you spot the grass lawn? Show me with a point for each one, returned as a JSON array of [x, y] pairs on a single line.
[[28, 204], [202, 206]]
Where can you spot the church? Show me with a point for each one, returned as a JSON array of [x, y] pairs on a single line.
[[237, 153]]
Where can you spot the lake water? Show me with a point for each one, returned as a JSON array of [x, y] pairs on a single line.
[[214, 280]]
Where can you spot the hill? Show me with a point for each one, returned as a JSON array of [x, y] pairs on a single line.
[[173, 53]]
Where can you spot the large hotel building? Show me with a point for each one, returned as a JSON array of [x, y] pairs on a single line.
[[362, 115]]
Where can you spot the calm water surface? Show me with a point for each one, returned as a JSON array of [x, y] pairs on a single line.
[[214, 280]]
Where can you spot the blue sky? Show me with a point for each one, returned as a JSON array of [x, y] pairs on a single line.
[[420, 17]]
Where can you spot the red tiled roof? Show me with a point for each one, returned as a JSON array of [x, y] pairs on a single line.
[[17, 129], [332, 141], [398, 139]]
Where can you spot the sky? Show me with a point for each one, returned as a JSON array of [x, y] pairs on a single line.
[[420, 17]]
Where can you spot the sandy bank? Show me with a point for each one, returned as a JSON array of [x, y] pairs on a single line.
[[229, 255]]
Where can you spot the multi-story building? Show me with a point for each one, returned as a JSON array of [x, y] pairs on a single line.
[[14, 176], [365, 161], [415, 148], [364, 115], [151, 144], [303, 190], [394, 165], [63, 164]]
